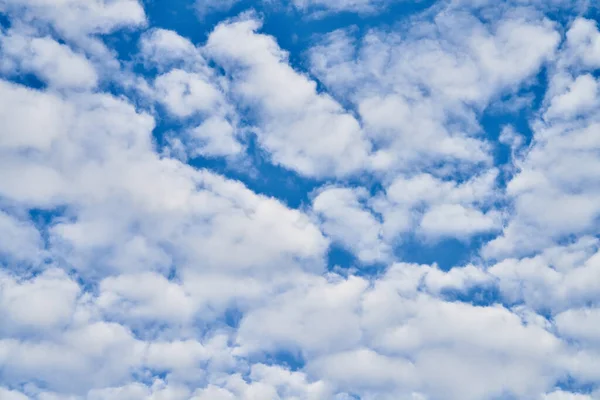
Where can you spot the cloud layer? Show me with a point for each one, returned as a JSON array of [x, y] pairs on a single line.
[[235, 216]]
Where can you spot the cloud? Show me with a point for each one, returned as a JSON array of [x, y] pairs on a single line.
[[290, 121], [327, 6], [418, 93], [583, 44], [12, 395], [162, 47], [433, 208], [191, 92], [42, 304], [129, 273], [557, 279], [457, 221], [57, 64], [22, 241], [184, 93], [408, 341], [206, 7], [349, 221], [145, 297], [581, 324], [78, 17], [554, 191]]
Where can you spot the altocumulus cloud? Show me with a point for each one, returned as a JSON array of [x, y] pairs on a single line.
[[299, 200]]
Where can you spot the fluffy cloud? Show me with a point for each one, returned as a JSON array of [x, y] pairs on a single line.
[[302, 129], [43, 303], [77, 17], [22, 241], [387, 339], [128, 273], [57, 64], [555, 189], [417, 93], [191, 92], [351, 223], [428, 206]]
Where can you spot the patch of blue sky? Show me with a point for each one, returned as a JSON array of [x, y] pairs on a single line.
[[293, 360], [483, 296], [447, 253], [569, 384]]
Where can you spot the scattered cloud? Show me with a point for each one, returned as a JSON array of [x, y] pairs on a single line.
[[143, 260]]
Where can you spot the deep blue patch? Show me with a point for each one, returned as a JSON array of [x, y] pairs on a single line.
[[44, 217], [124, 43], [294, 361], [337, 256], [4, 21], [478, 296], [26, 79], [233, 317], [571, 384], [447, 253]]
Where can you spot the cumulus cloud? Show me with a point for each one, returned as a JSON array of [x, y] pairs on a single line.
[[417, 93], [301, 129], [57, 64], [555, 190], [77, 17], [349, 221], [135, 271]]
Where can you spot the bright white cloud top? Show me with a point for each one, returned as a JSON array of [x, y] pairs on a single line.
[[299, 200]]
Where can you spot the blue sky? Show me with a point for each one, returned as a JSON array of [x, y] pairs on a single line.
[[299, 199]]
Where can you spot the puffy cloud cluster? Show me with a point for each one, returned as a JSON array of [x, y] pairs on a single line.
[[131, 270]]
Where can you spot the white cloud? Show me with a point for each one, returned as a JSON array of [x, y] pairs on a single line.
[[558, 279], [555, 189], [423, 204], [57, 64], [205, 7], [580, 324], [439, 208], [266, 382], [19, 130], [149, 267], [562, 395], [215, 136], [454, 220], [159, 390], [580, 97], [184, 93], [346, 219], [389, 338], [44, 303], [316, 316], [162, 47], [191, 91], [301, 129], [418, 93], [582, 44], [21, 240], [78, 17], [12, 395], [144, 297], [329, 6]]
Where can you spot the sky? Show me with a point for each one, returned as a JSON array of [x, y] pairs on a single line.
[[299, 200]]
